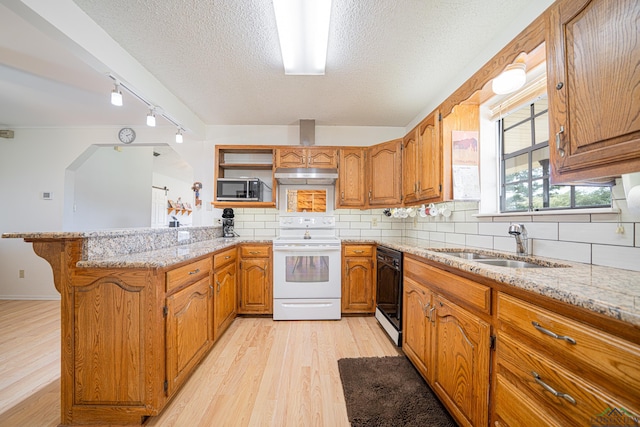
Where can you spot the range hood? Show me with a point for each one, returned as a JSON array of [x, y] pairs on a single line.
[[304, 176]]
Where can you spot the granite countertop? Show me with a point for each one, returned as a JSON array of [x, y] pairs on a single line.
[[612, 292], [609, 291]]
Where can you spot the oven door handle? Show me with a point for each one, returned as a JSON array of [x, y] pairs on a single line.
[[296, 249]]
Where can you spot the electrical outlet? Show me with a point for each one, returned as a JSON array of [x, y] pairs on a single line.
[[21, 274], [374, 222]]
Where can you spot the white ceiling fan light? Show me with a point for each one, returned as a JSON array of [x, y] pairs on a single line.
[[303, 30], [512, 78]]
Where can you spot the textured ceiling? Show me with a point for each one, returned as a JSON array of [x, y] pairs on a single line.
[[222, 58], [387, 61]]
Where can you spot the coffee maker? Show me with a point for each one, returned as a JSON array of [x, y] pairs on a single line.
[[227, 223]]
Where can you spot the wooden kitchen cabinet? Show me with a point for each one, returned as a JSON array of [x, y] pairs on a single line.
[[255, 285], [307, 157], [358, 280], [224, 297], [351, 185], [558, 369], [592, 79], [449, 344], [417, 302], [422, 162], [189, 330], [385, 174]]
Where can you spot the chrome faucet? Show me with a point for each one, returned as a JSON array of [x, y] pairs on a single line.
[[520, 233]]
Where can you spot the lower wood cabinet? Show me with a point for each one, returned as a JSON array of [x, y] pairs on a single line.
[[358, 279], [553, 370], [255, 285], [224, 295], [189, 330], [449, 345]]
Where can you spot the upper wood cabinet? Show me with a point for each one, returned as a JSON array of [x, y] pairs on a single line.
[[307, 157], [422, 162], [351, 185], [385, 174], [593, 88]]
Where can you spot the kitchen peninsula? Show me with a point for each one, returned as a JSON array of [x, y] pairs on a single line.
[[166, 288]]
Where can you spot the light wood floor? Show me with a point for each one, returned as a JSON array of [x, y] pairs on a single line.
[[260, 372]]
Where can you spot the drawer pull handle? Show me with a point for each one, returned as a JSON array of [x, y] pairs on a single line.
[[553, 334], [559, 145], [358, 252], [550, 389], [425, 308], [196, 271], [431, 317], [227, 257], [254, 252], [218, 283]]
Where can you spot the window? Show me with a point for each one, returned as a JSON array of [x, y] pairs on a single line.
[[524, 142]]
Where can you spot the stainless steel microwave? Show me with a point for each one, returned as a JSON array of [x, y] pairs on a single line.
[[240, 190]]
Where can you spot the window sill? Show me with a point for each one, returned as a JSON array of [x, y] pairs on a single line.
[[552, 212]]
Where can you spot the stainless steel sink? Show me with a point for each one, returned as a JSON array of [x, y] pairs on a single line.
[[469, 255], [511, 263]]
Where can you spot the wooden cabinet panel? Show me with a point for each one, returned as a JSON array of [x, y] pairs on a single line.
[[410, 165], [190, 273], [385, 174], [224, 257], [429, 164], [189, 332], [308, 157], [358, 279], [461, 354], [256, 290], [416, 336], [606, 360], [107, 367], [464, 291], [593, 81], [351, 186], [255, 251], [558, 392], [224, 298]]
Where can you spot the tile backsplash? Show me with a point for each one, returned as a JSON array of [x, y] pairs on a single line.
[[609, 239]]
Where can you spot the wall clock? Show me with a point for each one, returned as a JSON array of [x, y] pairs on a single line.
[[126, 135]]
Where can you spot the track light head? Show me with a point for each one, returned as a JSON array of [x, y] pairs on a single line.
[[179, 137], [151, 118], [116, 96]]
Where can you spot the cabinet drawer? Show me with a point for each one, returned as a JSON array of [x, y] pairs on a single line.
[[358, 250], [604, 358], [255, 251], [224, 257], [188, 273], [465, 292], [560, 392]]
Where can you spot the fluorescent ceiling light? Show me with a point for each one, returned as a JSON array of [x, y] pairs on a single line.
[[511, 79], [303, 29]]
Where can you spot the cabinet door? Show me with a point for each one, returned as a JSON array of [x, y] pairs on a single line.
[[351, 184], [410, 167], [255, 287], [318, 157], [461, 351], [429, 160], [357, 285], [593, 86], [291, 158], [385, 173], [189, 331], [224, 299], [416, 337]]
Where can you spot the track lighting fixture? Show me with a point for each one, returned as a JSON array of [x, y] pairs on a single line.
[[179, 138], [151, 118], [116, 96]]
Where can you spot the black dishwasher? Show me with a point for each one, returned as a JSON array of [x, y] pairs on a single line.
[[389, 292]]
